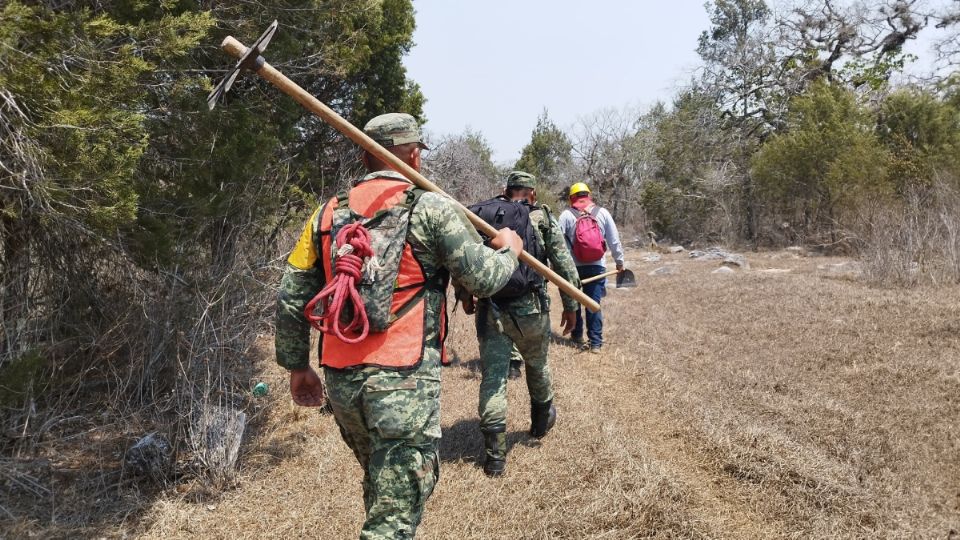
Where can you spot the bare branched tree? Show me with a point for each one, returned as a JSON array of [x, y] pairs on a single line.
[[819, 35], [948, 48], [461, 165], [614, 150], [741, 69]]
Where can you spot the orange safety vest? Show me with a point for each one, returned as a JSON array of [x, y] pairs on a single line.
[[401, 346]]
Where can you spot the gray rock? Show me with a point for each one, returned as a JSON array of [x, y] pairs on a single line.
[[150, 456], [736, 261], [676, 249], [638, 242], [651, 258], [724, 270], [710, 254], [665, 270]]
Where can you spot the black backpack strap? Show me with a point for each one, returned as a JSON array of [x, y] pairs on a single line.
[[318, 232]]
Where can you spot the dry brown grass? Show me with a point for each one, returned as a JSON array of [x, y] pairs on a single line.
[[752, 405]]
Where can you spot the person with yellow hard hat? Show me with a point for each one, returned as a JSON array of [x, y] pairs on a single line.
[[590, 231]]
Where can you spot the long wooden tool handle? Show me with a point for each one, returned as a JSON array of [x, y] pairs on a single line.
[[598, 278], [236, 49]]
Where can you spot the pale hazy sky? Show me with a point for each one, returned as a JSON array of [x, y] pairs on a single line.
[[494, 65]]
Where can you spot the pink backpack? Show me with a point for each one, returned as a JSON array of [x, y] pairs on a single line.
[[588, 243]]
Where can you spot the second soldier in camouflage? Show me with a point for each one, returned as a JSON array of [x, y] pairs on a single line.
[[521, 325]]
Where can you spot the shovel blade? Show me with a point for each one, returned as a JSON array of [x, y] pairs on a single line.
[[626, 280]]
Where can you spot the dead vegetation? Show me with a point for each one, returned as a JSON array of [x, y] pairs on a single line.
[[914, 241], [760, 404]]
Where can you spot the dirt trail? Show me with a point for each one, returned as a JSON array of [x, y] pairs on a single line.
[[717, 499], [685, 427]]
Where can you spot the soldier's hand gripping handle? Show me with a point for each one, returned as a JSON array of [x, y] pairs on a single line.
[[507, 238]]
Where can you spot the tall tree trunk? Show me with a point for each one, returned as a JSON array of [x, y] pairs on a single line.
[[14, 285]]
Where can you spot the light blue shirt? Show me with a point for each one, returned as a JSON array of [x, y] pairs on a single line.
[[568, 222]]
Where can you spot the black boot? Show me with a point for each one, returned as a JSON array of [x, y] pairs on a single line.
[[514, 370], [496, 460], [542, 417]]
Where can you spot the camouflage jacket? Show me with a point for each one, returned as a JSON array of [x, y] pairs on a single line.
[[442, 239], [548, 232]]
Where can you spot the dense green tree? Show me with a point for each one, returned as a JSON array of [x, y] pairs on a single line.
[[260, 157], [124, 198], [827, 162], [77, 78], [548, 152], [922, 133], [75, 130], [382, 84]]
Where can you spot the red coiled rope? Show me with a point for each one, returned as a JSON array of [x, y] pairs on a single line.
[[354, 242]]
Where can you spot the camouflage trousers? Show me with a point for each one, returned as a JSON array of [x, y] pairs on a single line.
[[527, 334], [392, 424]]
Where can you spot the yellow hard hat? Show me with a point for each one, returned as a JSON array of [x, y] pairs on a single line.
[[579, 187]]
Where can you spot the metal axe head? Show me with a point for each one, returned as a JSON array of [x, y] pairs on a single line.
[[250, 60]]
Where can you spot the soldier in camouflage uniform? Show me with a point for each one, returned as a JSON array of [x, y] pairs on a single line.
[[390, 418], [521, 325]]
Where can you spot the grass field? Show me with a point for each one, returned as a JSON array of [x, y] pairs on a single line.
[[781, 402]]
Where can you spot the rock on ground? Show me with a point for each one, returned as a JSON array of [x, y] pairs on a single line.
[[734, 260], [665, 271], [150, 456], [709, 254]]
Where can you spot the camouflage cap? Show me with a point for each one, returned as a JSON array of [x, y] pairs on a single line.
[[394, 129], [521, 179]]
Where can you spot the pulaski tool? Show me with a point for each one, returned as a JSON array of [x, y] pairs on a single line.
[[251, 59], [625, 279]]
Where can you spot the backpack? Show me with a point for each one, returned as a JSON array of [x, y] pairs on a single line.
[[501, 212], [587, 241], [388, 238]]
